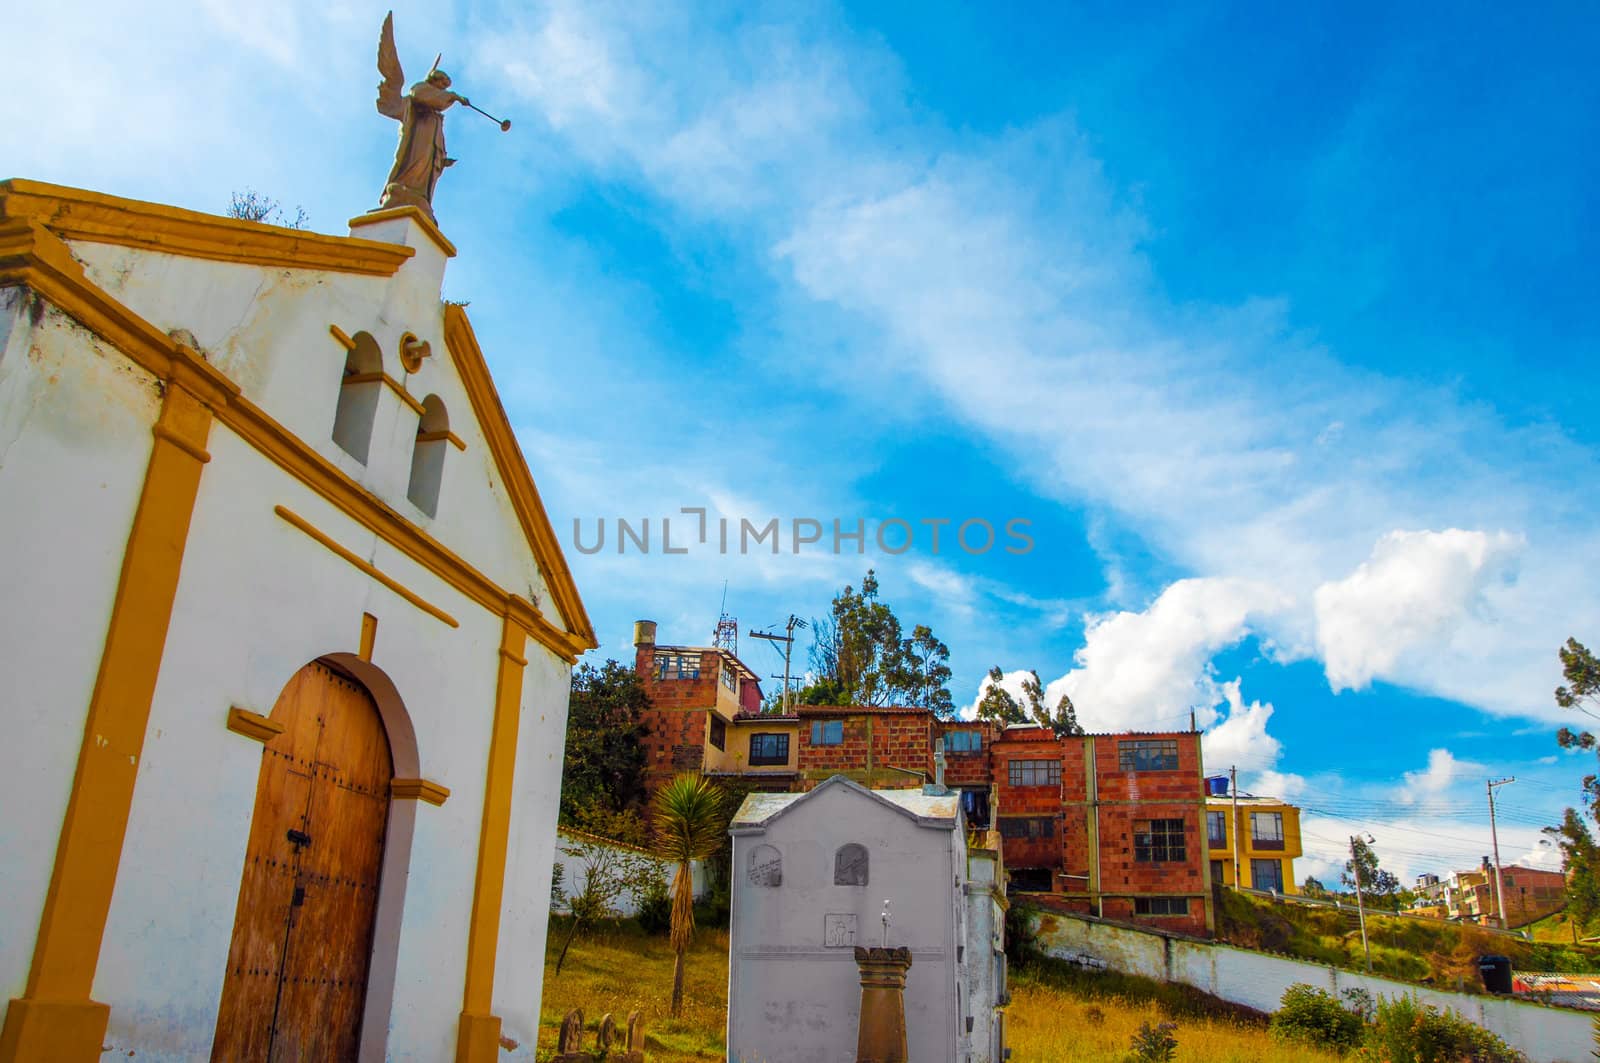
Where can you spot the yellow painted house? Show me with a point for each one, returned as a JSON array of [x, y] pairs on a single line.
[[1268, 833]]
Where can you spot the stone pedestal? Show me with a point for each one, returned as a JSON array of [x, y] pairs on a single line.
[[883, 1005]]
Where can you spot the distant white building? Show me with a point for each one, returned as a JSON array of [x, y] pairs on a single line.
[[811, 875]]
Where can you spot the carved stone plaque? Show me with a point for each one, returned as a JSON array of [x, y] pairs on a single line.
[[766, 866], [839, 930]]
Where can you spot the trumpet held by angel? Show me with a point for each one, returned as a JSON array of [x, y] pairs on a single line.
[[420, 157]]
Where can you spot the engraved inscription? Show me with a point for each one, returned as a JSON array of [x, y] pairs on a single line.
[[839, 930]]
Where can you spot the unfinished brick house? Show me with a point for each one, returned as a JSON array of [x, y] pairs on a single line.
[[1108, 824], [696, 695]]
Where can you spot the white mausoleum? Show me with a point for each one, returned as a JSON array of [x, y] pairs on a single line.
[[286, 649], [811, 875]]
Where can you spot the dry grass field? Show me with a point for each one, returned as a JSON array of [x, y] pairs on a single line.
[[1052, 1016]]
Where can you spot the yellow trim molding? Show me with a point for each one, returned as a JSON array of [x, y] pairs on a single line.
[[478, 1037], [343, 337], [55, 1019], [253, 724], [390, 382], [76, 214], [491, 417], [419, 790], [433, 437], [415, 213], [31, 256], [365, 566], [369, 636]]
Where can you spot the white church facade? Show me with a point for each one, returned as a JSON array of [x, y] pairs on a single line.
[[287, 647], [812, 875]]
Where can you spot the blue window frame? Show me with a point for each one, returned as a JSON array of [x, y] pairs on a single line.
[[963, 742], [827, 732]]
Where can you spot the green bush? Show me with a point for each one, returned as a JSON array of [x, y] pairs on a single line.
[[1154, 1043], [1312, 1016], [655, 906], [1404, 1032]]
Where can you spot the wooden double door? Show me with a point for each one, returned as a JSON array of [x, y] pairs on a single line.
[[302, 935]]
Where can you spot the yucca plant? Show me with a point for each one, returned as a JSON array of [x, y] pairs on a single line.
[[688, 820]]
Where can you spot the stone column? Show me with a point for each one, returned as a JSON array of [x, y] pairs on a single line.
[[883, 1005]]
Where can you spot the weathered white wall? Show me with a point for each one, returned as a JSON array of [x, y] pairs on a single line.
[[257, 599], [75, 438], [1258, 980], [267, 328], [790, 999], [574, 874], [984, 970]]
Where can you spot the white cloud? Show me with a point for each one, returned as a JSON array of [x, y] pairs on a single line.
[[1240, 738], [1414, 590], [1432, 783], [1144, 670]]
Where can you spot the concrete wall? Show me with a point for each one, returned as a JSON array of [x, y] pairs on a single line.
[[1258, 980], [984, 984], [794, 999], [574, 870]]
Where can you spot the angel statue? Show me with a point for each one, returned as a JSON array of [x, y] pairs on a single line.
[[420, 158]]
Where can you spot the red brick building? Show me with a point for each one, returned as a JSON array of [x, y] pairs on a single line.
[[1111, 824]]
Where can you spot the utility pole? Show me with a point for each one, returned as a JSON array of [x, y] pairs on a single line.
[[1494, 838], [1361, 908], [1233, 828], [788, 649]]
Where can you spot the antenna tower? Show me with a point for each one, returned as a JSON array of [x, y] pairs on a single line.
[[727, 634]]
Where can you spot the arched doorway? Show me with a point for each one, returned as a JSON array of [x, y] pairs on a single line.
[[302, 934]]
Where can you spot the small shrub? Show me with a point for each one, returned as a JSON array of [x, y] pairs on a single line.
[[1095, 1017], [1403, 1032], [655, 906], [1154, 1044], [1312, 1016]]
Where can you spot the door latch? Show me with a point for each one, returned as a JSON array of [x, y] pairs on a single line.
[[299, 838]]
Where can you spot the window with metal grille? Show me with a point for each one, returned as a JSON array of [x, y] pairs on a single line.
[[1157, 841], [1148, 754], [1217, 830], [719, 732], [963, 742], [827, 732], [677, 666], [1266, 875], [769, 749], [1266, 830], [1161, 906], [1034, 772]]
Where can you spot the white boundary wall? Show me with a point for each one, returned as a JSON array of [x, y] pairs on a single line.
[[1258, 980], [627, 905]]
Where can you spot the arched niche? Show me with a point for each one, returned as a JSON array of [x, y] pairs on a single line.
[[359, 388], [766, 867], [428, 454], [850, 865]]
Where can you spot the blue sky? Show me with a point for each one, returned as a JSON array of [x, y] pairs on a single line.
[[1277, 327]]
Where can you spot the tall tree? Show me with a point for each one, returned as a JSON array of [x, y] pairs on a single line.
[[1363, 866], [1580, 862], [689, 818], [860, 655], [605, 754], [1581, 692], [998, 706]]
